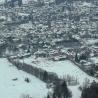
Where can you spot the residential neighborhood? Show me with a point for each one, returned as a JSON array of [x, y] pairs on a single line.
[[38, 36]]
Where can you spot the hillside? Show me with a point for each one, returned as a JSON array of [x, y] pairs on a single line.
[[13, 84]]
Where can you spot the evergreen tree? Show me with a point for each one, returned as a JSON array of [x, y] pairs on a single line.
[[76, 58], [48, 96], [57, 89], [83, 57], [12, 4], [19, 2], [54, 96], [49, 21], [61, 90], [45, 76], [90, 92], [64, 90]]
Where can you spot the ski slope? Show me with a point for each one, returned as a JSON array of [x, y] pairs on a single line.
[[15, 89]]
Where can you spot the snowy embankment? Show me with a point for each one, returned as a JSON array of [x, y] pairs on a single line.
[[11, 88]]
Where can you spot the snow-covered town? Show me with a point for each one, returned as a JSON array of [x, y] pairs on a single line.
[[48, 48]]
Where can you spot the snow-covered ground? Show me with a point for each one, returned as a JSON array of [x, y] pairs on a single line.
[[15, 89], [76, 93], [61, 68]]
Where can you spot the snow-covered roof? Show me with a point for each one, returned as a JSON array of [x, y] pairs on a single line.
[[94, 59]]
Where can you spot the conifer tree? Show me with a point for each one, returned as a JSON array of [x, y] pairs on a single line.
[[76, 58], [45, 76], [48, 96]]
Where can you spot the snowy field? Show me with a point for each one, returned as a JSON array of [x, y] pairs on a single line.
[[61, 68], [76, 93], [15, 89]]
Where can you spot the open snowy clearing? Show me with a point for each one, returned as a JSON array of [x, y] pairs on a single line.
[[10, 88], [76, 93], [61, 68]]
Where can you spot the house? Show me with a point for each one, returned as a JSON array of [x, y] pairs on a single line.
[[57, 55], [41, 53], [13, 3]]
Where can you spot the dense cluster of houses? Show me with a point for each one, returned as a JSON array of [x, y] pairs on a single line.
[[54, 31]]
